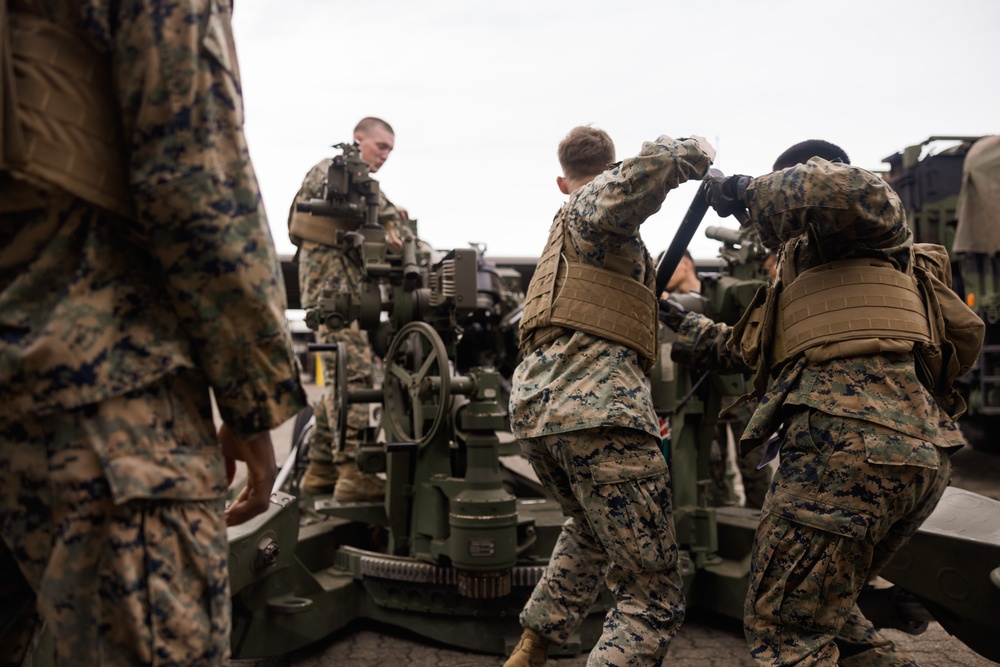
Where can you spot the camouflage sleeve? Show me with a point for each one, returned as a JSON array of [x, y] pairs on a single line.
[[200, 213], [615, 203], [849, 208], [388, 215], [312, 184], [701, 343]]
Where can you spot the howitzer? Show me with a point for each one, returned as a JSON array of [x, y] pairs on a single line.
[[435, 556], [458, 542]]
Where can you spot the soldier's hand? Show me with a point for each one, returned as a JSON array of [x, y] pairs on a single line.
[[725, 195], [392, 240], [705, 146], [258, 453], [671, 313]]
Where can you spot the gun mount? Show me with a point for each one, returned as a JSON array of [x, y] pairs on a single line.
[[730, 291], [456, 546], [459, 541], [349, 191]]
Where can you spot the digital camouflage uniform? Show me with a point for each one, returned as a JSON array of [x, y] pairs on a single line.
[[583, 413], [322, 266], [112, 330], [863, 443]]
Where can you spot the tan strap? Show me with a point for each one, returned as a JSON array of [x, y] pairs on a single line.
[[541, 290], [320, 228], [850, 300]]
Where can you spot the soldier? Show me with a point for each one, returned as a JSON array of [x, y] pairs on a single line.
[[684, 278], [735, 417], [582, 410], [864, 444], [332, 468], [136, 271]]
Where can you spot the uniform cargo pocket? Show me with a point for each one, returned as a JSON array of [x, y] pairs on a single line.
[[826, 516], [893, 448], [629, 510]]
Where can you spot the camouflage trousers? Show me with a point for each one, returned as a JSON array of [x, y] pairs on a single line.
[[326, 267], [116, 580], [324, 442], [847, 495], [614, 485]]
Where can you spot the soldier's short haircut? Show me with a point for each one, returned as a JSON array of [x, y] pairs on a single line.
[[585, 151], [802, 151], [369, 123]]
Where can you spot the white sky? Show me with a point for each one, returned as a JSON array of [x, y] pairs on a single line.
[[481, 93]]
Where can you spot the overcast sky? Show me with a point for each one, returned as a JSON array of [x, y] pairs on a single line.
[[481, 93]]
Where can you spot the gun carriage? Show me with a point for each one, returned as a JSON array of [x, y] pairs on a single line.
[[463, 533]]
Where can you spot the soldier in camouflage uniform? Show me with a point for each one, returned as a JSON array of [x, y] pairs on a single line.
[[582, 410], [136, 271], [864, 445], [332, 468]]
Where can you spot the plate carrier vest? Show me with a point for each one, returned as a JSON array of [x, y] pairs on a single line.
[[566, 293]]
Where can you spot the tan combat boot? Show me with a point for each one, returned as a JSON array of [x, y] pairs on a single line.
[[531, 651], [319, 478], [354, 486]]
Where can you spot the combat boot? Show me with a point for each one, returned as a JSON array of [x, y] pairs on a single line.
[[354, 486], [531, 651], [319, 478]]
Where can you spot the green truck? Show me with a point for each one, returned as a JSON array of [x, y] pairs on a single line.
[[950, 187]]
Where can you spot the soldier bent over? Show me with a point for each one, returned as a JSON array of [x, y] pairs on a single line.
[[837, 342]]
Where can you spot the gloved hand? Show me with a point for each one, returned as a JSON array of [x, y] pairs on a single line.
[[725, 195], [671, 313]]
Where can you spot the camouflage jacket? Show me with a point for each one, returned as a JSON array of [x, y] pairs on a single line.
[[93, 305], [813, 223], [581, 381]]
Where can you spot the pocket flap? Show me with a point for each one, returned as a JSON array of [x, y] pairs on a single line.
[[628, 468], [827, 517], [893, 448]]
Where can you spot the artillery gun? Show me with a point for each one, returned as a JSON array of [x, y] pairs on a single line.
[[455, 547], [459, 541]]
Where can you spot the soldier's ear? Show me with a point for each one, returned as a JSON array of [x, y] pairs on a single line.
[[561, 182]]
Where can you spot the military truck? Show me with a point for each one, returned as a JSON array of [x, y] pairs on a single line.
[[950, 188]]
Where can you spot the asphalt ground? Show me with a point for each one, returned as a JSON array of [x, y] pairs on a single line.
[[704, 640]]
